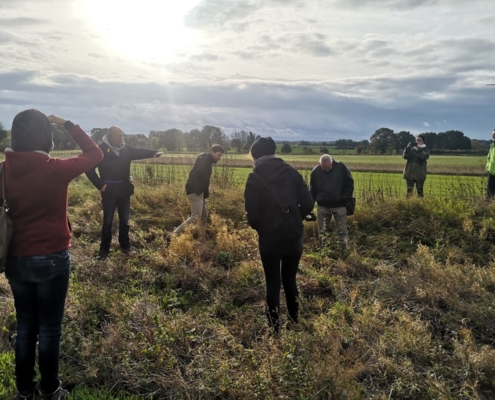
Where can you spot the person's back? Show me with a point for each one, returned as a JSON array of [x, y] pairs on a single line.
[[276, 200], [38, 261], [268, 173]]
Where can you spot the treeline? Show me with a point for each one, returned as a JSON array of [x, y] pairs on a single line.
[[386, 141], [382, 141]]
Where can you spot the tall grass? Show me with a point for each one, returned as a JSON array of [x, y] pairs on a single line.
[[408, 314]]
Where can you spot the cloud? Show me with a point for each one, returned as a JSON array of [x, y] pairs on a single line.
[[217, 13], [395, 4], [426, 124], [314, 110], [21, 22], [204, 57]]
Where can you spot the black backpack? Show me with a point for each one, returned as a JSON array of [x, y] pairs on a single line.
[[282, 218]]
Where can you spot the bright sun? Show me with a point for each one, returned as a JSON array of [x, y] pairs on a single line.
[[143, 29]]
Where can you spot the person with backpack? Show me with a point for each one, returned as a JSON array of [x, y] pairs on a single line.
[[490, 168], [197, 187], [332, 186], [38, 260], [277, 200], [416, 154], [115, 186]]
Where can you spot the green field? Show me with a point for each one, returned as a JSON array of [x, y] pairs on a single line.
[[444, 165], [367, 184]]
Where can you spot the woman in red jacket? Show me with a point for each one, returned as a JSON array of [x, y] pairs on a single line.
[[38, 262]]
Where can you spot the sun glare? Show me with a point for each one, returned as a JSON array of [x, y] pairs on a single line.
[[143, 29]]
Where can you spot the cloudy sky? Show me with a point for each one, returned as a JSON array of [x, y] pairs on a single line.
[[292, 69]]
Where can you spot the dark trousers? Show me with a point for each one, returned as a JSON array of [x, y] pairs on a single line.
[[39, 285], [279, 270], [123, 205], [419, 187], [490, 188]]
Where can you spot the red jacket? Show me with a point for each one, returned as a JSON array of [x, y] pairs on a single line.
[[36, 191]]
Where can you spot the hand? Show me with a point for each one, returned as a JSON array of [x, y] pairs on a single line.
[[104, 187], [158, 154], [54, 119]]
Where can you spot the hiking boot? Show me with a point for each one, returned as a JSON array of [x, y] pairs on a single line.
[[102, 254], [58, 394]]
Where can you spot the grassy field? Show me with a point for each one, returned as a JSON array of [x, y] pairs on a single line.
[[407, 315], [444, 165], [366, 183]]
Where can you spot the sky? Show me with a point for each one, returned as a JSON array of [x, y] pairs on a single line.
[[294, 70]]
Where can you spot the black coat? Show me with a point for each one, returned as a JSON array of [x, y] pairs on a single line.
[[332, 188], [117, 168], [257, 204], [199, 177]]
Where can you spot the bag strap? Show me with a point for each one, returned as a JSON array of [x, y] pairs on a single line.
[[2, 172]]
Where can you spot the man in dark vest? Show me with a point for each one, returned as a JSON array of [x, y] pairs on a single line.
[[115, 185], [197, 187], [331, 185]]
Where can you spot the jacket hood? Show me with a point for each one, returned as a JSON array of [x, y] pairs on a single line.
[[115, 149], [31, 131], [272, 168], [19, 164]]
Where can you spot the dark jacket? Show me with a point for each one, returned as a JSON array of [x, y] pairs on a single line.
[[332, 188], [257, 203], [199, 177], [115, 170], [415, 169]]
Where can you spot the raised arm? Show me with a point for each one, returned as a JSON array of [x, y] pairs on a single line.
[[69, 168], [140, 154]]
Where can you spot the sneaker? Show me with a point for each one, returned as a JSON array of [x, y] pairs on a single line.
[[59, 394], [102, 254]]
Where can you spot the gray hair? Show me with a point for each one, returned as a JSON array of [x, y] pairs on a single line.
[[326, 157]]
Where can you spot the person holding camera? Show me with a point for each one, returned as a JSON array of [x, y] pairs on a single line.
[[38, 261], [116, 186], [331, 185], [416, 154], [490, 168]]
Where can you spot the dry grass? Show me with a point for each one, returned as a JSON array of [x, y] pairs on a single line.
[[407, 315]]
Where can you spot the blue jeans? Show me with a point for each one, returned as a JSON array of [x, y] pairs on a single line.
[[39, 285], [123, 205]]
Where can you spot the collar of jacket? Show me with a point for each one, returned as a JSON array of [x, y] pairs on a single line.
[[116, 150]]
